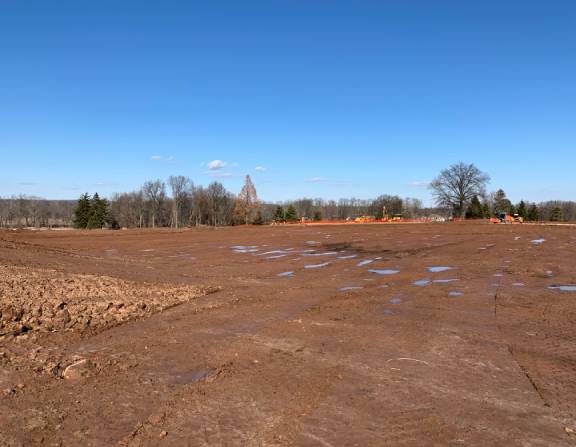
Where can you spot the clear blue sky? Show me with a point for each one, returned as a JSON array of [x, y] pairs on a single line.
[[332, 98]]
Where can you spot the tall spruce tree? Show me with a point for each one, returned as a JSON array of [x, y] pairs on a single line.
[[291, 215], [522, 210], [533, 213], [98, 212], [556, 215], [82, 212], [279, 214], [474, 210]]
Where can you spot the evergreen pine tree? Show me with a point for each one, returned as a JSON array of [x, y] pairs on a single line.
[[279, 215], [533, 214], [474, 210], [522, 211], [486, 210], [98, 212], [291, 215], [556, 215], [317, 216], [82, 212]]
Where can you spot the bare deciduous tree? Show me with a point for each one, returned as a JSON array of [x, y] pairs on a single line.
[[455, 186], [247, 203], [179, 185], [155, 193], [220, 203]]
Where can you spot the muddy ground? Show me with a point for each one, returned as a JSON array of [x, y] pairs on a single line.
[[309, 336]]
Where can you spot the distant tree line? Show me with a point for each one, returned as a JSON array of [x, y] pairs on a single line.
[[30, 211], [495, 203], [184, 205], [342, 209], [458, 190], [461, 188]]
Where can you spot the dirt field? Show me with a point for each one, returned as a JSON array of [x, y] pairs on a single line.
[[308, 336]]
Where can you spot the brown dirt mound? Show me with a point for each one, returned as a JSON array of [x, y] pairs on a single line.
[[47, 300]]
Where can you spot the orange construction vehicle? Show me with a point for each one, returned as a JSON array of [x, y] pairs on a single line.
[[506, 218]]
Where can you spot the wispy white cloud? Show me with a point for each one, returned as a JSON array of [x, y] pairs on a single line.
[[419, 184], [216, 165], [315, 180], [260, 168], [163, 159]]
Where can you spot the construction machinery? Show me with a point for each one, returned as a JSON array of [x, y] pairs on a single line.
[[505, 218]]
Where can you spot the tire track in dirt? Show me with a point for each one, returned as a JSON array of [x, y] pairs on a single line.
[[296, 362]]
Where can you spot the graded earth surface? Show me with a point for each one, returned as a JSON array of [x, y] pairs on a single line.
[[337, 335]]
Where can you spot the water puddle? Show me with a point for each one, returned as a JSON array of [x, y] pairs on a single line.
[[487, 247], [346, 289], [395, 301], [316, 266], [439, 269], [312, 243], [347, 257], [365, 262], [244, 248], [538, 241], [286, 274], [326, 253], [187, 377], [499, 275], [563, 288], [422, 282], [276, 256], [446, 280], [455, 294], [518, 284], [388, 312], [273, 252], [384, 271]]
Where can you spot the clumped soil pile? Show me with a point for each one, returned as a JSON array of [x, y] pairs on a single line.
[[44, 300]]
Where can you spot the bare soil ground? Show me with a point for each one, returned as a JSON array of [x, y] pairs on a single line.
[[274, 336]]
